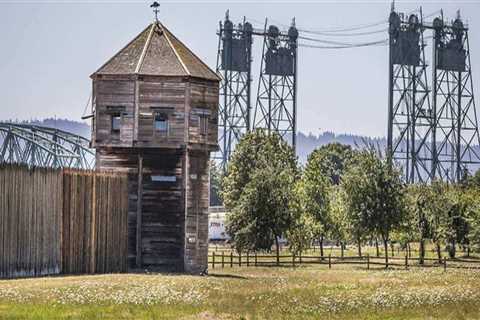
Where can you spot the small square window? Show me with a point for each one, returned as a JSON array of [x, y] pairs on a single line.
[[116, 122], [161, 123]]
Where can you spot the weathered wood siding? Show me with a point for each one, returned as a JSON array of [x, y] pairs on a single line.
[[162, 226], [166, 97], [114, 97], [196, 224], [53, 222], [204, 103]]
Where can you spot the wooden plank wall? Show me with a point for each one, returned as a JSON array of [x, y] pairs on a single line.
[[54, 221], [30, 219], [94, 234]]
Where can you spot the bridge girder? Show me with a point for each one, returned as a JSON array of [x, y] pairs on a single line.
[[40, 146]]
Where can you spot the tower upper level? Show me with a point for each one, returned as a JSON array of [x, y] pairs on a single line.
[[155, 93]]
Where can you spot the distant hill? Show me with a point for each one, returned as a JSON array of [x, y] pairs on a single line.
[[306, 143], [76, 127]]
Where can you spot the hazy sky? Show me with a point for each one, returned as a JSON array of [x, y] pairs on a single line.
[[49, 49]]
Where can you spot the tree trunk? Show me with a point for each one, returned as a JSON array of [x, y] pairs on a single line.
[[359, 247], [320, 241], [439, 252], [421, 252], [393, 249], [468, 250], [277, 246], [452, 249], [376, 247], [385, 245]]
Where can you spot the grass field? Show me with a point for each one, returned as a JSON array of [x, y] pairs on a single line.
[[345, 292]]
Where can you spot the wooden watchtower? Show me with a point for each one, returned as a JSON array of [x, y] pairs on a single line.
[[155, 117]]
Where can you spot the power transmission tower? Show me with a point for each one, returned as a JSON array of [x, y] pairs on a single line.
[[410, 117], [453, 101], [234, 60], [276, 105]]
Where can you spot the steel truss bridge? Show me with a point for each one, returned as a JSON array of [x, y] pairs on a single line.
[[44, 147]]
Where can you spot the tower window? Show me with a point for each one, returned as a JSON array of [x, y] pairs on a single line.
[[203, 125], [161, 123], [116, 122]]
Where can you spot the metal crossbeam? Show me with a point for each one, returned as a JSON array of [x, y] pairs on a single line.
[[44, 147]]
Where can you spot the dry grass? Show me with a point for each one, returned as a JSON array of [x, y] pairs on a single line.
[[249, 293]]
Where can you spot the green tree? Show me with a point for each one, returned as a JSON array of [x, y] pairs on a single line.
[[314, 191], [331, 160], [258, 191], [374, 196], [417, 226], [216, 177]]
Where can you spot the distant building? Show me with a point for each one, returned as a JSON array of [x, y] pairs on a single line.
[[155, 117], [216, 224]]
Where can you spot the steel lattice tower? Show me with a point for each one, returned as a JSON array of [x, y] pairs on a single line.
[[276, 105], [410, 117], [234, 67], [453, 101]]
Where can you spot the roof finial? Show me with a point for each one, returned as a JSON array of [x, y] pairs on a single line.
[[227, 14], [155, 5], [392, 9], [293, 22]]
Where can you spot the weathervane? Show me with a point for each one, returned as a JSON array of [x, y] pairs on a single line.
[[155, 5]]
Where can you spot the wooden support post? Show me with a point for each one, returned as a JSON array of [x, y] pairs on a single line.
[[329, 261], [300, 256], [248, 259], [368, 261], [255, 259], [223, 259], [213, 260], [293, 260], [231, 259], [239, 259], [406, 261], [445, 264], [139, 211]]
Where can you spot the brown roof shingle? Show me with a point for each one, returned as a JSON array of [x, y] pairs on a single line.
[[156, 51]]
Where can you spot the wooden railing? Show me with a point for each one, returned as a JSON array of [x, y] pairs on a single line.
[[229, 259]]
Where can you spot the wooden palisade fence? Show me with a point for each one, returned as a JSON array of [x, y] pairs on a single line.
[[61, 221]]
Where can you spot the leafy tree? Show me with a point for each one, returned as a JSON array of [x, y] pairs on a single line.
[[258, 191], [331, 161], [314, 190], [216, 177], [417, 223], [374, 196]]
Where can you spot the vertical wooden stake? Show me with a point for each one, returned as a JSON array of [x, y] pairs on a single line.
[[406, 261], [445, 264], [368, 261], [139, 211], [213, 260], [255, 259], [231, 259], [329, 261], [223, 259], [239, 259], [248, 259]]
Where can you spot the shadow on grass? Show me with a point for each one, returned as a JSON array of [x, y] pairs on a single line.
[[228, 276]]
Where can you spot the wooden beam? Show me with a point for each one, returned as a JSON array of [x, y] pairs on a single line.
[[139, 211]]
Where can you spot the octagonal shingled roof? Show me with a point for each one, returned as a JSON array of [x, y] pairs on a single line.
[[156, 51]]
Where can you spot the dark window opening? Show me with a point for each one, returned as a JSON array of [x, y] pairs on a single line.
[[161, 123], [116, 122], [203, 125]]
